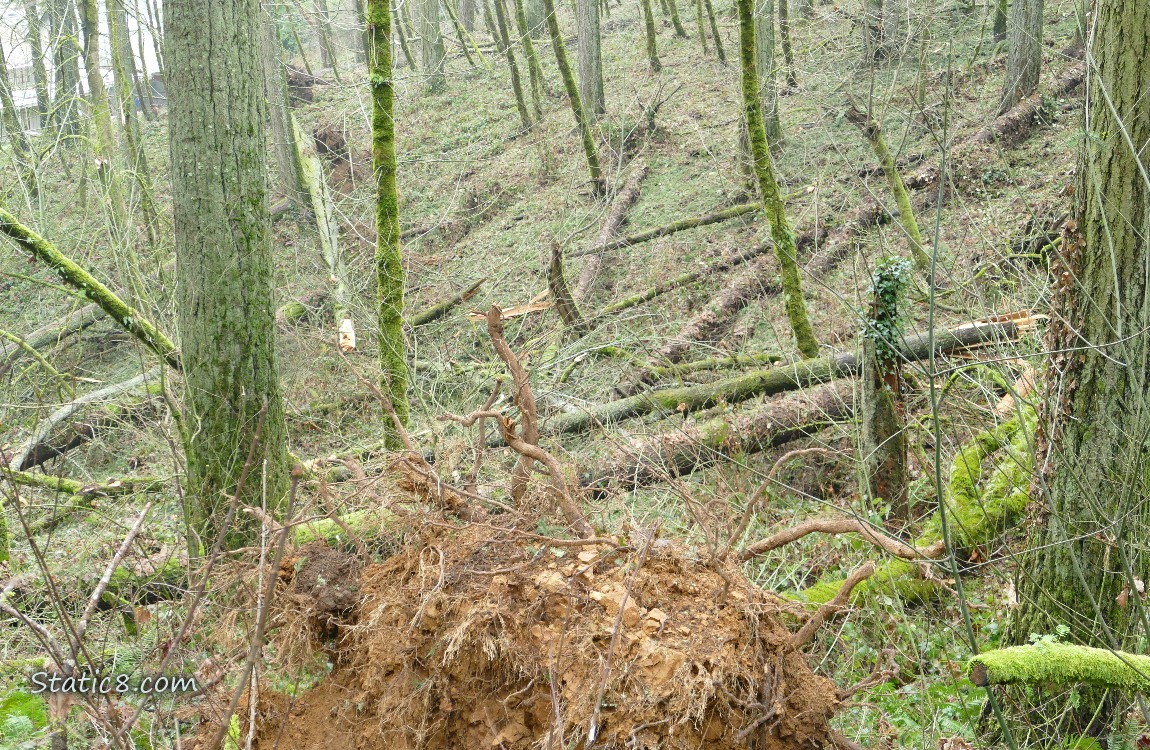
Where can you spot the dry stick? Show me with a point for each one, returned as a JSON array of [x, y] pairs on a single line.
[[811, 626], [102, 585], [593, 725], [261, 620], [714, 217], [523, 397], [839, 526], [567, 503], [73, 275], [615, 218]]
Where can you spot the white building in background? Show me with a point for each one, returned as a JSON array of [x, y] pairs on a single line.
[[18, 56]]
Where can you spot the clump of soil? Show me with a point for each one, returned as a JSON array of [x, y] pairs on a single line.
[[477, 637], [324, 584]]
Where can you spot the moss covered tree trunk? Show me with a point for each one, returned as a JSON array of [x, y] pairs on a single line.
[[715, 35], [224, 269], [1024, 61], [431, 51], [781, 232], [1095, 473], [388, 268], [504, 43], [788, 48], [676, 22], [649, 36], [590, 151], [590, 59], [701, 24], [534, 68]]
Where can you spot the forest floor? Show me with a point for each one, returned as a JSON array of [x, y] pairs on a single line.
[[489, 201]]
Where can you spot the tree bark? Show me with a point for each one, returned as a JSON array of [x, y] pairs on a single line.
[[288, 167], [388, 265], [590, 151], [649, 36], [1093, 480], [224, 265], [505, 46], [784, 238], [431, 51], [36, 47], [590, 60], [715, 35], [765, 64], [788, 48], [1001, 10], [676, 22], [1024, 61], [534, 68]]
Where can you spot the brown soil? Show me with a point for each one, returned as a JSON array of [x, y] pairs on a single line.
[[478, 637]]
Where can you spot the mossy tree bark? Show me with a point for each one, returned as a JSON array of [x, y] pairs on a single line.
[[702, 25], [1001, 10], [676, 22], [788, 48], [718, 39], [590, 58], [388, 268], [1096, 475], [534, 68], [508, 50], [781, 233], [224, 269], [431, 51], [649, 36], [1024, 61], [590, 151], [36, 47]]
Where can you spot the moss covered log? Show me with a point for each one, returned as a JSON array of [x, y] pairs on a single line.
[[78, 278], [1052, 663]]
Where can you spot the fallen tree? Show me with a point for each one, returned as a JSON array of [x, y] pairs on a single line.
[[773, 380], [1053, 663], [690, 447], [73, 275], [48, 335], [615, 218], [715, 217]]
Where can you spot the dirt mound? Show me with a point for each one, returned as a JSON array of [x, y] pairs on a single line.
[[483, 638]]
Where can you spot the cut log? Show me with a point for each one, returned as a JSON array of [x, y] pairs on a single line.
[[615, 218], [1051, 663], [692, 446], [772, 380]]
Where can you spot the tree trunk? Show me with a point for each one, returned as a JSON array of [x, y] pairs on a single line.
[[598, 185], [150, 110], [649, 36], [288, 168], [765, 64], [701, 24], [467, 14], [431, 51], [65, 116], [237, 447], [505, 46], [718, 39], [388, 267], [1000, 14], [122, 58], [1024, 62], [35, 45], [534, 68], [781, 233], [676, 22], [403, 45], [15, 129], [788, 49], [1094, 483], [590, 61]]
